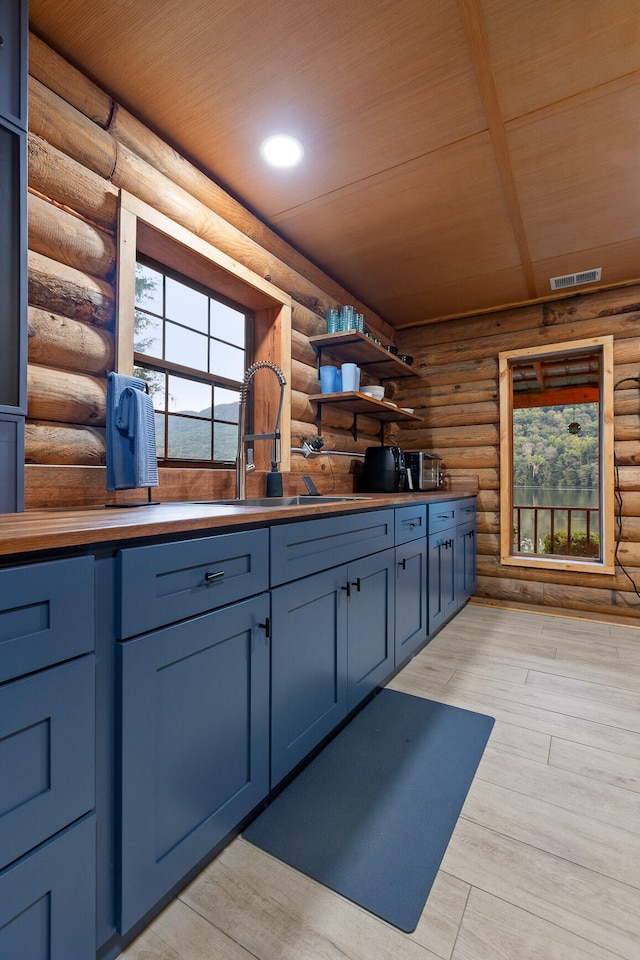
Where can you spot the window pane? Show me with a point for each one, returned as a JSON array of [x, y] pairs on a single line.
[[159, 435], [155, 384], [189, 396], [227, 323], [225, 438], [147, 334], [189, 439], [226, 405], [148, 289], [187, 305], [185, 347], [226, 361]]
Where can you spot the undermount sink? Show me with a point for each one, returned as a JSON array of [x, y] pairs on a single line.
[[297, 501]]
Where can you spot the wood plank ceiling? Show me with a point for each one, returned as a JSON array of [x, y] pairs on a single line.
[[459, 153]]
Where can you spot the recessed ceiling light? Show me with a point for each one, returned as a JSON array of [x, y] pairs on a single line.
[[281, 150]]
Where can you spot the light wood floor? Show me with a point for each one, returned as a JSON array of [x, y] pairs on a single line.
[[544, 863]]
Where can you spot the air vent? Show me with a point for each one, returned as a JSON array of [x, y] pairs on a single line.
[[575, 279]]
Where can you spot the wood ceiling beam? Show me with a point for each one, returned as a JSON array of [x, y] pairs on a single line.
[[476, 34]]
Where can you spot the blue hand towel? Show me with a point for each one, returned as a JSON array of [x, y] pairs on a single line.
[[131, 440]]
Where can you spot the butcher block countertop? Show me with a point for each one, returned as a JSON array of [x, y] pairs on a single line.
[[60, 528]]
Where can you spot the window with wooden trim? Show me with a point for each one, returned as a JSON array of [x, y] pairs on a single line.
[[248, 320], [191, 346], [556, 456]]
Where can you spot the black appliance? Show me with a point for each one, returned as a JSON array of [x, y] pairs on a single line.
[[384, 470]]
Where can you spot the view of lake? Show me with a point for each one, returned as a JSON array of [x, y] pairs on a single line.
[[558, 497]]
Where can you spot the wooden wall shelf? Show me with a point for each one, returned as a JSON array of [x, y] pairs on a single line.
[[359, 403], [354, 347]]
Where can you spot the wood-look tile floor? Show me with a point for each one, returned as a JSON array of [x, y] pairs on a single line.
[[544, 862]]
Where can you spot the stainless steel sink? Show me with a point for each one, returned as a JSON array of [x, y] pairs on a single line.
[[297, 501]]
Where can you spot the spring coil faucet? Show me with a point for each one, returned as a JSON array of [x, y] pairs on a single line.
[[242, 468]]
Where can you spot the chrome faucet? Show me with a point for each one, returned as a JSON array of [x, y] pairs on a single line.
[[242, 467]]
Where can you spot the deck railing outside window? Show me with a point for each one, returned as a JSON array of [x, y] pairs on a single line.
[[559, 531]]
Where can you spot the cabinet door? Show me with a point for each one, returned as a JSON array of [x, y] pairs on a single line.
[[466, 558], [195, 745], [442, 585], [411, 598], [47, 900], [308, 665], [370, 657], [47, 747]]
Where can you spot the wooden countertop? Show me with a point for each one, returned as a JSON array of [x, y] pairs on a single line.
[[37, 530]]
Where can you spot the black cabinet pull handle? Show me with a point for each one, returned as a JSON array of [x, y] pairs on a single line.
[[209, 577], [348, 589], [356, 583], [266, 626], [403, 563]]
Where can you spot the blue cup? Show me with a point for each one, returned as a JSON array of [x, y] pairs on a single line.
[[328, 379]]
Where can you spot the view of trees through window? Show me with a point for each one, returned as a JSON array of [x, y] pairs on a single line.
[[190, 347], [556, 464]]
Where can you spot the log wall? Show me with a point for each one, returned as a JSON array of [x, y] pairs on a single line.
[[84, 148], [459, 403]]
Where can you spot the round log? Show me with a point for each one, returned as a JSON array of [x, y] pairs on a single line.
[[62, 236], [71, 185], [65, 397], [306, 321], [55, 286], [54, 71], [55, 443], [61, 125], [62, 342], [301, 349], [473, 435]]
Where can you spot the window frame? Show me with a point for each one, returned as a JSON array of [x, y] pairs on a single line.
[[143, 229], [168, 367], [606, 563]]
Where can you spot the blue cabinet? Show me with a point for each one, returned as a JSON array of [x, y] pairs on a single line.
[[411, 598], [451, 558], [47, 899], [332, 645], [195, 744], [308, 665], [47, 761], [13, 250]]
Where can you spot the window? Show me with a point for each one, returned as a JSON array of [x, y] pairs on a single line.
[[556, 456], [191, 347], [195, 369]]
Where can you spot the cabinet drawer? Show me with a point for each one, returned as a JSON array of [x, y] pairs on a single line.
[[46, 615], [46, 755], [441, 516], [305, 547], [167, 582], [465, 510], [411, 523], [48, 899]]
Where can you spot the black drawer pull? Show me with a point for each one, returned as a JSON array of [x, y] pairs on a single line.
[[403, 563], [209, 577], [348, 589], [356, 584], [266, 626]]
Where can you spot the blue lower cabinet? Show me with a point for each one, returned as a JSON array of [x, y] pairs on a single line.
[[195, 745], [466, 560], [332, 645], [48, 899], [370, 627], [47, 731], [309, 665], [411, 598], [442, 577]]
